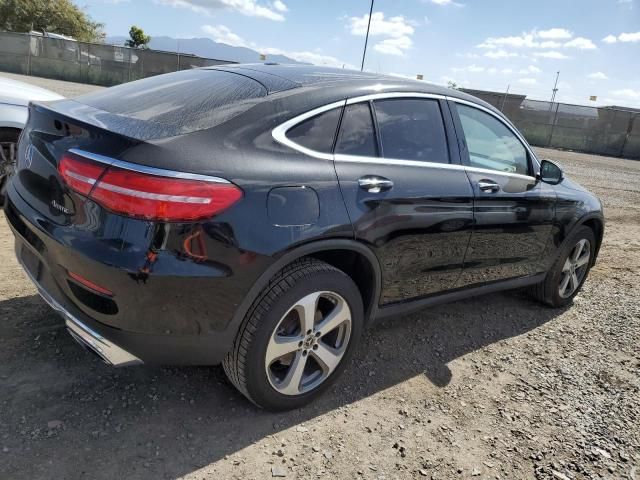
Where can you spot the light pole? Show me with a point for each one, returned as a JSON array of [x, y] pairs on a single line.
[[366, 39], [555, 87]]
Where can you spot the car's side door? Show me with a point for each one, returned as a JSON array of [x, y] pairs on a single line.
[[406, 193], [513, 210]]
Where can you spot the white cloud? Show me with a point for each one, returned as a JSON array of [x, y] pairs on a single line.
[[526, 40], [394, 27], [308, 57], [552, 54], [549, 44], [397, 30], [623, 37], [629, 37], [471, 68], [626, 93], [250, 8], [280, 6], [444, 3], [543, 40], [530, 69], [598, 76], [393, 46], [222, 34], [506, 71], [555, 33], [528, 81], [581, 43], [495, 54]]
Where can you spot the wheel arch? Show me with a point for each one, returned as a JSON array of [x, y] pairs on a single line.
[[595, 222], [350, 256]]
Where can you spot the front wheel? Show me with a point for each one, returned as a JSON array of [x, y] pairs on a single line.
[[570, 270], [297, 337]]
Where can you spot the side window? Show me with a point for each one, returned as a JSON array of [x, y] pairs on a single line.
[[491, 144], [356, 135], [316, 133], [412, 129]]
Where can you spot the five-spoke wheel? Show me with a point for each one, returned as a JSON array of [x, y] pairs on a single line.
[[308, 343], [297, 337]]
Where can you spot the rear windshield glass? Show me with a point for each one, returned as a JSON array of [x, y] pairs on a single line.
[[185, 101]]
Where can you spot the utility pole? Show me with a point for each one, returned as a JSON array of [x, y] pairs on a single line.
[[366, 39], [555, 88]]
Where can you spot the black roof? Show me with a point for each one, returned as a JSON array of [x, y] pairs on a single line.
[[277, 77]]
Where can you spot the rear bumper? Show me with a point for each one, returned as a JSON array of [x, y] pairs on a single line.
[[115, 345], [108, 351]]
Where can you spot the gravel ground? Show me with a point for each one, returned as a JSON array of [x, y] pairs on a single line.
[[491, 387], [66, 89]]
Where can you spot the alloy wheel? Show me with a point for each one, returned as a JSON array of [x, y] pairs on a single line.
[[574, 268], [308, 343]]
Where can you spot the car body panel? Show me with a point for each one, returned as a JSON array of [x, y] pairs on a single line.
[[14, 100], [187, 286]]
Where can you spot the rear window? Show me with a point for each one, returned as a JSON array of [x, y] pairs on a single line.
[[357, 136], [185, 101]]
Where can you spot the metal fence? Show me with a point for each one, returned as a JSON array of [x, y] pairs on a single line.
[[93, 63], [603, 131]]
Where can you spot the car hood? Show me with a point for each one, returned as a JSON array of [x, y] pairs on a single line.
[[15, 92]]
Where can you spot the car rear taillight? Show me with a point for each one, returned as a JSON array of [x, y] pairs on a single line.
[[144, 195]]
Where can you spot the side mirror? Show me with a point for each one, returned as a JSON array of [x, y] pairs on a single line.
[[551, 172]]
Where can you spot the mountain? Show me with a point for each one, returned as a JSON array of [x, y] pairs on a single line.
[[205, 47]]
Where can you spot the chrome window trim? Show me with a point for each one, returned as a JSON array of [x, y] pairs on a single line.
[[339, 157], [279, 135], [134, 167], [383, 96], [513, 130]]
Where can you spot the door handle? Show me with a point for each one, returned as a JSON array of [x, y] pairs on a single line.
[[488, 186], [374, 184]]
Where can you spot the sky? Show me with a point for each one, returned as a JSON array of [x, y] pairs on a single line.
[[482, 44]]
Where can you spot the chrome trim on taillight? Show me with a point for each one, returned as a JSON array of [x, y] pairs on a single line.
[[159, 172]]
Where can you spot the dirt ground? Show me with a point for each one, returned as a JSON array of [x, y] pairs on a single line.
[[490, 387]]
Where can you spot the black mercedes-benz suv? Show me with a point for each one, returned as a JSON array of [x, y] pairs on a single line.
[[261, 216]]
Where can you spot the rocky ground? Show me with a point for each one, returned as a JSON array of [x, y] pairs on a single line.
[[491, 387]]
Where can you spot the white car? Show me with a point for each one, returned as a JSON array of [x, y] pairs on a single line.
[[14, 101]]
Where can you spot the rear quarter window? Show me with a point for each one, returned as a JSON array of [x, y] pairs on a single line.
[[185, 101], [317, 133]]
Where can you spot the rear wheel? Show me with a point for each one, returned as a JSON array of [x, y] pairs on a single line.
[[8, 155], [297, 337], [569, 272]]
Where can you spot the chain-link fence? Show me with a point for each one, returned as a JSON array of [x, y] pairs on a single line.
[[88, 62], [603, 131]]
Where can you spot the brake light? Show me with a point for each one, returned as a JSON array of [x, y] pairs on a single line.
[[143, 195], [80, 174]]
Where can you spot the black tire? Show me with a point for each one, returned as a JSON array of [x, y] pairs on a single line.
[[548, 291], [7, 135], [245, 365]]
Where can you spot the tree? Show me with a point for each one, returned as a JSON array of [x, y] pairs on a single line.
[[138, 38], [58, 16], [452, 84]]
